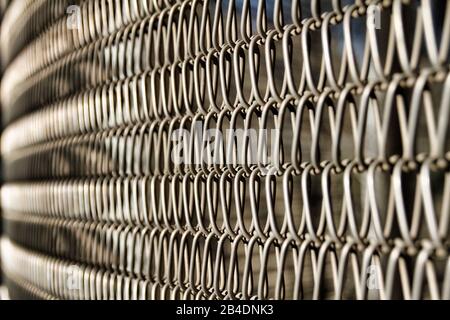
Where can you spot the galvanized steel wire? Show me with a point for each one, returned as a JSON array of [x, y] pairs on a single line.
[[356, 205]]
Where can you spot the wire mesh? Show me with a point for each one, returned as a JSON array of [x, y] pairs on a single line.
[[235, 149]]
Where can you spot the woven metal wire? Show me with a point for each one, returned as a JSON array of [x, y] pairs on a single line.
[[353, 204]]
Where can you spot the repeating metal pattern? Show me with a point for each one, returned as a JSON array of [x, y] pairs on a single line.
[[353, 203]]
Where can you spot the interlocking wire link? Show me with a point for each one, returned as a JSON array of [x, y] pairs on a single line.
[[351, 97]]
